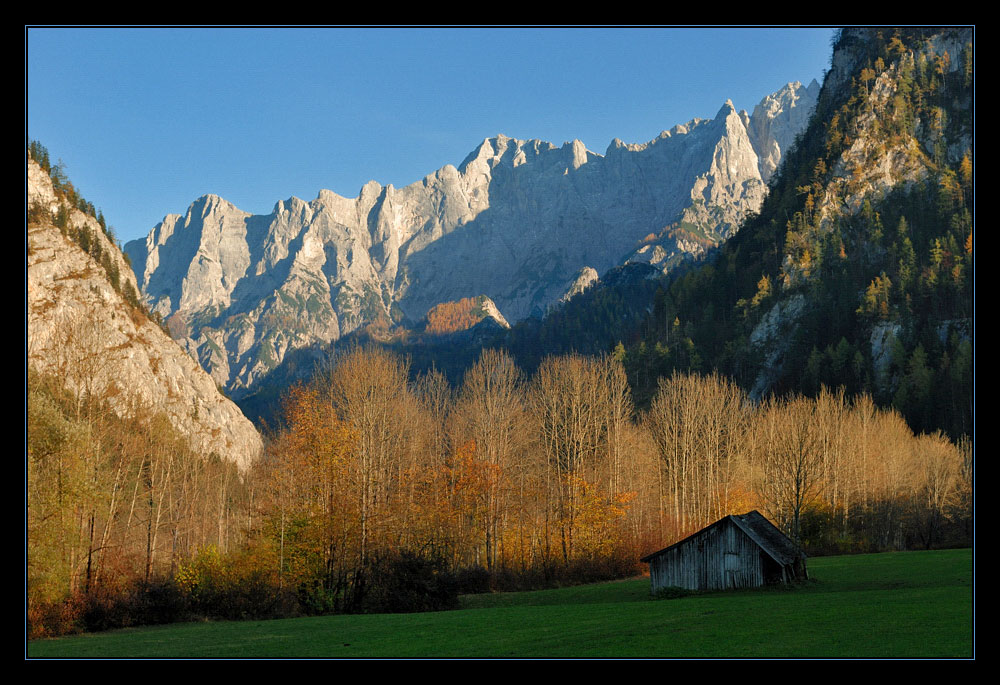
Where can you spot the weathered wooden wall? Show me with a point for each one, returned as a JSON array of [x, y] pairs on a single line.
[[720, 557]]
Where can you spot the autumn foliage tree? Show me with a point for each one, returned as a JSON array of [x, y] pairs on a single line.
[[382, 493], [449, 317], [114, 505], [313, 512], [490, 418]]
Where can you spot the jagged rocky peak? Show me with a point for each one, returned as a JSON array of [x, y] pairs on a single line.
[[82, 328], [777, 119], [684, 129], [517, 221], [295, 206], [585, 278], [210, 203], [579, 154], [502, 150], [618, 145], [490, 310], [210, 240]]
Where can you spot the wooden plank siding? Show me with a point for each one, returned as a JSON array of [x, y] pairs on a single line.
[[733, 553], [718, 558]]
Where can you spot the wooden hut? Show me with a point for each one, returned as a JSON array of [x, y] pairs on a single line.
[[738, 551]]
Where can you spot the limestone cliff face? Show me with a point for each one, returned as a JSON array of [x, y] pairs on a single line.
[[728, 187], [517, 220], [586, 277], [81, 328], [872, 166], [777, 120]]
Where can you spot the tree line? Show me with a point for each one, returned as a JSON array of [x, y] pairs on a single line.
[[556, 477], [378, 492], [113, 506]]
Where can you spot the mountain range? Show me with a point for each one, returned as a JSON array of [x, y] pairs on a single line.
[[518, 221]]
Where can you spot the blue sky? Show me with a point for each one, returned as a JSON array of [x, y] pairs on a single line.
[[146, 120]]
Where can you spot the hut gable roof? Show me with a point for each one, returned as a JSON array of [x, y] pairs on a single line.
[[758, 529], [767, 535]]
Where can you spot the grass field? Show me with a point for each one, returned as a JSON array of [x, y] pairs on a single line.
[[908, 604]]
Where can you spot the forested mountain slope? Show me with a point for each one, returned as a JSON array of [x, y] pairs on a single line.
[[858, 270]]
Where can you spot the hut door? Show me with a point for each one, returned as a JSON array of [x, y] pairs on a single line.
[[732, 565]]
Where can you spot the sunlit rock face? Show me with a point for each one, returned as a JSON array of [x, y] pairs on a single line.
[[517, 221], [82, 331]]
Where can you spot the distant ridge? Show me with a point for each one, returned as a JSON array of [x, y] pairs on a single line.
[[516, 221]]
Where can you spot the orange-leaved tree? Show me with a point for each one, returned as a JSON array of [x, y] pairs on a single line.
[[314, 517]]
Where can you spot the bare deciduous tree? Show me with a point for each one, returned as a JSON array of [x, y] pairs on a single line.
[[490, 412]]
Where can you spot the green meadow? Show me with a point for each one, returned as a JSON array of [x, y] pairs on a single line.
[[906, 604]]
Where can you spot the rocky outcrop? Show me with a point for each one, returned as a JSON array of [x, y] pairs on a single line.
[[81, 329], [723, 195], [777, 120], [882, 336], [773, 337], [517, 220], [874, 163], [451, 317], [490, 311], [586, 277]]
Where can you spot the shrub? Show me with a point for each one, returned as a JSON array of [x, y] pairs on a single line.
[[406, 583], [672, 592], [232, 588], [50, 619], [38, 214], [316, 600], [472, 581]]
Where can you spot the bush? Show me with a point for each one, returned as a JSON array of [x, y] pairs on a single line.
[[316, 600], [107, 607], [38, 214], [672, 592], [50, 619], [231, 588], [162, 602], [555, 573], [473, 581], [406, 583]]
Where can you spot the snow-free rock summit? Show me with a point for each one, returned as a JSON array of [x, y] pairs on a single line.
[[517, 221]]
